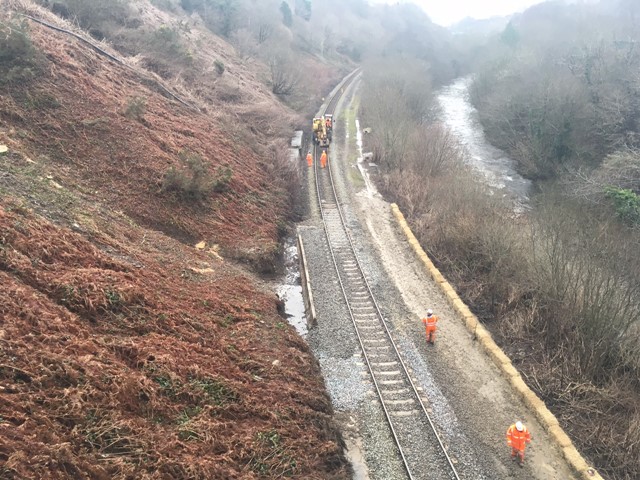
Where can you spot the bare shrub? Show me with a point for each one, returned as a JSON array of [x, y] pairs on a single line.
[[193, 181], [167, 42], [433, 150], [284, 75], [228, 91], [620, 169], [136, 108], [408, 80], [593, 278], [542, 135], [470, 237], [286, 174], [246, 45], [609, 412], [396, 98], [614, 187]]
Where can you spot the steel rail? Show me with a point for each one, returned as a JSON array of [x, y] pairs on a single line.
[[330, 107]]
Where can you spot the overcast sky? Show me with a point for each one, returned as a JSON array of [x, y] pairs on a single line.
[[446, 12]]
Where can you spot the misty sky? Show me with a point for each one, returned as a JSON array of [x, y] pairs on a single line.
[[446, 12]]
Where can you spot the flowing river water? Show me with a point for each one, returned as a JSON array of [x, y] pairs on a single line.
[[497, 168], [457, 113]]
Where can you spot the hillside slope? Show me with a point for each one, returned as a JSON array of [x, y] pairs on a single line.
[[125, 352]]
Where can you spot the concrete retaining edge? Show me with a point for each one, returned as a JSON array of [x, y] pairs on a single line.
[[502, 361], [309, 307]]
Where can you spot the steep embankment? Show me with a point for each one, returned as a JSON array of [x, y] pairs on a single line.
[[125, 352], [76, 118]]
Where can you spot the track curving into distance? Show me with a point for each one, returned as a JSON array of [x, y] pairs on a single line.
[[423, 453]]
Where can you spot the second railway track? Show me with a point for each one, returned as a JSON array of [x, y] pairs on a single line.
[[423, 453]]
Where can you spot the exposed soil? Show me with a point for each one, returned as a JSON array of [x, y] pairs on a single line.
[[72, 119], [125, 352]]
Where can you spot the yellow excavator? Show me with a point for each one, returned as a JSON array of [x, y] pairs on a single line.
[[320, 136]]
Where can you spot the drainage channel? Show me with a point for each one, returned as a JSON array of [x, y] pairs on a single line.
[[289, 289]]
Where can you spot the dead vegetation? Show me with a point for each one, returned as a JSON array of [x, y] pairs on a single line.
[[124, 351], [558, 287], [108, 370]]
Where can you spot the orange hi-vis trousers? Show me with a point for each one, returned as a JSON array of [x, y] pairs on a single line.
[[430, 327], [309, 160], [323, 160], [518, 441]]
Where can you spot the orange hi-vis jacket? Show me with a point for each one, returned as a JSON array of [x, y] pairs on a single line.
[[430, 322], [323, 159], [309, 159], [516, 439]]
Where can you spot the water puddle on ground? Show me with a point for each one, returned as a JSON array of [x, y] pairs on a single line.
[[355, 455], [289, 291], [290, 288], [364, 171]]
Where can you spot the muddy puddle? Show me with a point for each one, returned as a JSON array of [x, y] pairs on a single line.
[[289, 288]]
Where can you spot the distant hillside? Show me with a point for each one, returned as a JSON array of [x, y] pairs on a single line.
[[141, 187], [482, 27], [145, 184]]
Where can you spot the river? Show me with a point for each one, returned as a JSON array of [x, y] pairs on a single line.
[[498, 169]]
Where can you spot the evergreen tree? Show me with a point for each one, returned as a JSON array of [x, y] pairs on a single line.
[[287, 16], [510, 36], [303, 9]]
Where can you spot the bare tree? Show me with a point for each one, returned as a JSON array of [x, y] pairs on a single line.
[[264, 32], [245, 44], [433, 150], [285, 77]]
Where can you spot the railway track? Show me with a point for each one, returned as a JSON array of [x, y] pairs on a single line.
[[423, 453]]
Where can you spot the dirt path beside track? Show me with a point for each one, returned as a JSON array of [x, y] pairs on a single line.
[[472, 403]]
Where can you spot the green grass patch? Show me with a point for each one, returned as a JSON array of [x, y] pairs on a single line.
[[215, 391], [271, 457], [167, 385], [186, 430], [349, 116]]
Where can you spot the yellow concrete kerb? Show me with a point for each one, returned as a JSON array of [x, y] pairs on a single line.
[[540, 410], [575, 459], [559, 436], [471, 322]]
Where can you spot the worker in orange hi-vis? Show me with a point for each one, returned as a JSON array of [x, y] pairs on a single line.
[[517, 438], [430, 326], [323, 159], [309, 159]]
